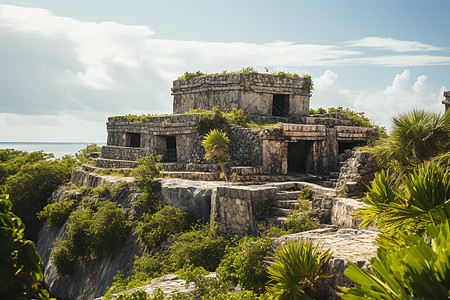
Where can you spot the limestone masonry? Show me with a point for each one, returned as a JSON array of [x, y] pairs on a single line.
[[299, 144]]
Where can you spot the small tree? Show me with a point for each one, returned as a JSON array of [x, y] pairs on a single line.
[[216, 147]]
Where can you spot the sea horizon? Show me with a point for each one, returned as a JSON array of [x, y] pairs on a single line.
[[59, 149]]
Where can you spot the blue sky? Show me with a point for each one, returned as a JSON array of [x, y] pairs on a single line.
[[65, 66]]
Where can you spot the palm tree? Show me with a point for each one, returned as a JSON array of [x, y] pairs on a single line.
[[417, 199], [294, 270], [216, 147], [416, 136]]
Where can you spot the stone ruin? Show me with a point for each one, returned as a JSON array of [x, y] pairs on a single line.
[[299, 144], [446, 102]]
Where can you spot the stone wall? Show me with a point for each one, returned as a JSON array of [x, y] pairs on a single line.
[[355, 245], [251, 92], [236, 208], [357, 172]]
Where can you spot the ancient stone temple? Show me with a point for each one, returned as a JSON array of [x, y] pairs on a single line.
[[298, 144], [446, 102]]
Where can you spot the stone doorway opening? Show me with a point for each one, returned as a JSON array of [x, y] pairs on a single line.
[[280, 105], [171, 149], [133, 139], [298, 153]]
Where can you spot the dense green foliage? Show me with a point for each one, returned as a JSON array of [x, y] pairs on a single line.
[[215, 144], [201, 247], [57, 213], [357, 118], [20, 269], [246, 264], [412, 270], [99, 231], [155, 229], [148, 169], [30, 188], [295, 269], [417, 136]]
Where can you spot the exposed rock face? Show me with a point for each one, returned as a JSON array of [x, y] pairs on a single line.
[[189, 196], [355, 245], [93, 277], [357, 172]]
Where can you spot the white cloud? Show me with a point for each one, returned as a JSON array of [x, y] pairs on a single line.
[[380, 105], [392, 44], [55, 66]]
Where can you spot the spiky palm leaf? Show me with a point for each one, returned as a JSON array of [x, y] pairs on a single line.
[[415, 270], [419, 198], [417, 136], [296, 267]]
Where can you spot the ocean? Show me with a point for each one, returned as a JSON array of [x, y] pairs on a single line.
[[59, 149]]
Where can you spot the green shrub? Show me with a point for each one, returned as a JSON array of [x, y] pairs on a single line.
[[189, 75], [83, 154], [99, 233], [30, 188], [215, 144], [148, 169], [211, 119], [102, 192], [63, 258], [295, 269], [147, 267], [205, 284], [246, 264], [109, 229], [57, 213], [78, 233], [201, 247], [155, 229]]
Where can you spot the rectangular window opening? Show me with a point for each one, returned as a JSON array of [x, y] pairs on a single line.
[[133, 139], [171, 149], [280, 105]]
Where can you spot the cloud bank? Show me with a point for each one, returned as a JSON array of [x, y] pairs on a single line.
[[64, 76]]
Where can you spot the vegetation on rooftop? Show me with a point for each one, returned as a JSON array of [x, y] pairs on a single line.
[[282, 75]]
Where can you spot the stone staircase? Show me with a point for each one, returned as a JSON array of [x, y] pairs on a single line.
[[284, 203], [331, 180]]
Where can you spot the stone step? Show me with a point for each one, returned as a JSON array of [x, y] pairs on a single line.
[[287, 195], [329, 184], [273, 221], [277, 211], [286, 204], [334, 174]]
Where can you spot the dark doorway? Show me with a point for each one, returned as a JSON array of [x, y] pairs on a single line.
[[280, 106], [133, 139], [171, 149], [297, 156], [350, 145]]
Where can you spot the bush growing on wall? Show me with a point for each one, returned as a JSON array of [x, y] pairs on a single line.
[[246, 264], [155, 229], [57, 213], [100, 232], [202, 247]]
